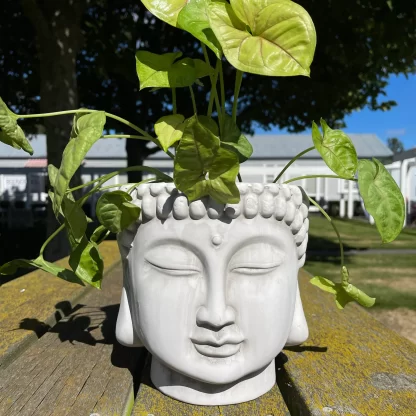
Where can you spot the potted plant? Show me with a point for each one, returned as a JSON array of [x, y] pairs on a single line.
[[210, 262]]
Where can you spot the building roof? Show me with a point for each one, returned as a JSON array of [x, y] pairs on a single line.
[[265, 147], [407, 154]]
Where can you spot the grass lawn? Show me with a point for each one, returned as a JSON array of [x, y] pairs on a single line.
[[356, 234], [390, 278]]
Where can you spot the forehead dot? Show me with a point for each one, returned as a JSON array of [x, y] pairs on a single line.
[[216, 240]]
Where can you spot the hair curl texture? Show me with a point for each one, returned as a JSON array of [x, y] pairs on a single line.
[[285, 203]]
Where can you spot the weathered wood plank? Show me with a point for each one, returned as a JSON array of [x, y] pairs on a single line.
[[351, 364], [31, 304], [77, 368], [150, 401]]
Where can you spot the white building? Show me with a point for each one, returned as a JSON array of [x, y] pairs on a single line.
[[403, 170], [22, 178]]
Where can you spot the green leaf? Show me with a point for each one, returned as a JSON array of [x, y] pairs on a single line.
[[99, 234], [210, 124], [89, 130], [344, 292], [12, 266], [202, 167], [87, 263], [52, 174], [161, 71], [115, 211], [355, 293], [166, 10], [278, 39], [75, 218], [336, 149], [324, 284], [169, 130], [10, 132], [382, 198], [221, 178], [233, 140], [194, 155], [194, 19], [202, 69]]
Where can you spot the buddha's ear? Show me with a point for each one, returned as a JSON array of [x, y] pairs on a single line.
[[299, 331], [125, 333]]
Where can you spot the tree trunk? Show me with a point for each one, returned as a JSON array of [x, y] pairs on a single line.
[[136, 154], [58, 34]]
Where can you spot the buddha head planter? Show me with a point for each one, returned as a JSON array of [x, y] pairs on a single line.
[[211, 290]]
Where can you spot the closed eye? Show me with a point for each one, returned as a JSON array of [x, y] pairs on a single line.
[[255, 268], [176, 270]]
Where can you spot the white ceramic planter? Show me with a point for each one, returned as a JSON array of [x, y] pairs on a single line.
[[211, 290]]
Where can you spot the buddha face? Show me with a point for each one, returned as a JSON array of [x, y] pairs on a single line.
[[213, 299]]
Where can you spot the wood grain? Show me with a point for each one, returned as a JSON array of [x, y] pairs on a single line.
[[77, 368], [151, 401], [351, 364], [31, 304]]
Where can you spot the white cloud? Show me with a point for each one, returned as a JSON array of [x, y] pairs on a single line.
[[395, 132]]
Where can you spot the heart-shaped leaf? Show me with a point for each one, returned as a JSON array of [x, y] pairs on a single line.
[[247, 10], [10, 132], [87, 263], [202, 167], [166, 10], [221, 178], [169, 130], [115, 211], [194, 19], [278, 40], [336, 149], [161, 71], [12, 266], [382, 198], [210, 124], [233, 140], [89, 129]]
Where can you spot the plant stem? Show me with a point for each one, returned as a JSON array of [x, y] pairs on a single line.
[[121, 120], [317, 176], [139, 183], [124, 136], [239, 178], [82, 110], [222, 97], [213, 95], [238, 80], [214, 79], [50, 238], [107, 177], [174, 100], [341, 246], [291, 162], [170, 154], [193, 100]]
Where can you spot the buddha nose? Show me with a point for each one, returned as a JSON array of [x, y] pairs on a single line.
[[215, 314]]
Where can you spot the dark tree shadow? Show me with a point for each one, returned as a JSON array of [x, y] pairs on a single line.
[[300, 348], [92, 326]]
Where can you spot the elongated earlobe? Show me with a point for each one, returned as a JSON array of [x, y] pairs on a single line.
[[299, 332], [125, 332]]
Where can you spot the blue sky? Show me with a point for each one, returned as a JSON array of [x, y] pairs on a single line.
[[399, 122]]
